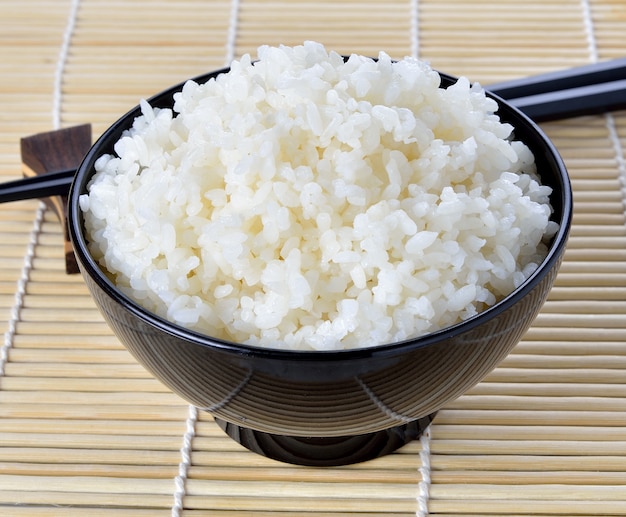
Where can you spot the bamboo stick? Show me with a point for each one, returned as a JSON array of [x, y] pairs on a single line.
[[564, 362], [94, 412], [309, 509], [118, 399], [62, 316], [592, 404], [571, 307], [93, 470], [52, 287], [63, 328], [616, 479], [8, 290], [607, 267], [53, 456], [596, 242], [59, 301], [296, 504], [603, 321], [518, 432], [578, 334], [78, 511], [498, 514], [543, 493], [587, 293], [85, 371], [600, 180], [537, 7], [91, 411], [583, 465], [527, 506], [55, 263], [598, 231], [610, 206], [527, 346], [524, 416], [77, 498], [37, 384], [94, 341], [537, 389], [20, 227], [87, 441], [79, 355], [572, 376], [93, 426], [589, 197]]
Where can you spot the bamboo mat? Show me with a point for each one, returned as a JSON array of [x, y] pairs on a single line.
[[85, 431]]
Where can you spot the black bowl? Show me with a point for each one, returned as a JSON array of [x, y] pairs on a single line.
[[326, 408]]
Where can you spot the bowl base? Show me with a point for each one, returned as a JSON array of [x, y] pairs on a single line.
[[326, 451]]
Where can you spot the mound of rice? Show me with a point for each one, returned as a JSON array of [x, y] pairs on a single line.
[[308, 203]]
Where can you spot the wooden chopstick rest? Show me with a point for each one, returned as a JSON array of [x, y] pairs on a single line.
[[55, 151]]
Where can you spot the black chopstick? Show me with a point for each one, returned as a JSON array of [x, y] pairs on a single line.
[[44, 185], [573, 102], [583, 90], [585, 75]]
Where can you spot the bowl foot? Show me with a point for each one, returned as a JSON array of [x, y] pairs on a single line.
[[326, 451]]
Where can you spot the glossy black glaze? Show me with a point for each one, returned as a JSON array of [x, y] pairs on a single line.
[[263, 396], [328, 451]]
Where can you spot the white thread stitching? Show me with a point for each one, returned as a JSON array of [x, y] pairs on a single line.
[[57, 98], [609, 119], [414, 34], [60, 68], [21, 288], [423, 486], [185, 461], [619, 154], [592, 46], [231, 41]]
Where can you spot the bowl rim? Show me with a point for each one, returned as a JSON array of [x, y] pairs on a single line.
[[89, 266]]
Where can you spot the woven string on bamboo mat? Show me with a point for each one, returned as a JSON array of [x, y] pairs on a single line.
[[84, 430]]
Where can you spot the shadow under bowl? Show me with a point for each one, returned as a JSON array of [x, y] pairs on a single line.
[[326, 408]]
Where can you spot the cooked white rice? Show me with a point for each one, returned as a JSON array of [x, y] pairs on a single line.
[[305, 203]]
